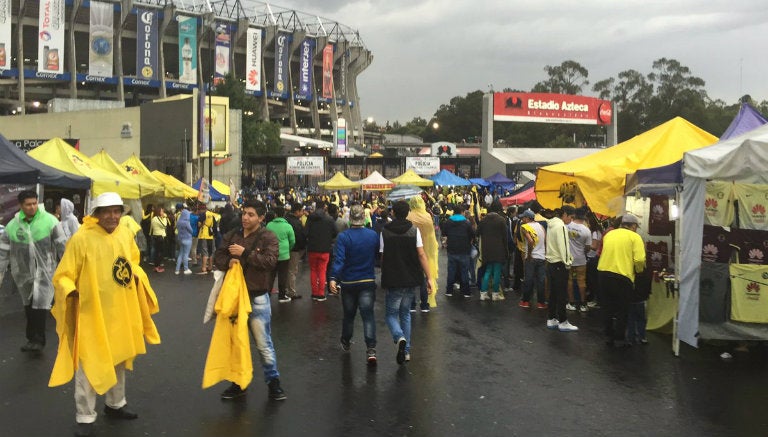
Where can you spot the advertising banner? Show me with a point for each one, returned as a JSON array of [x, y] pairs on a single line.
[[101, 34], [343, 75], [305, 165], [328, 72], [217, 118], [340, 137], [50, 39], [253, 60], [187, 49], [551, 108], [5, 34], [223, 34], [423, 165], [306, 66], [146, 44], [282, 47]]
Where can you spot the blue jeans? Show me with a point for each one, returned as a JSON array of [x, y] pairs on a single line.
[[351, 300], [183, 258], [535, 274], [458, 271], [260, 321], [492, 270], [398, 315]]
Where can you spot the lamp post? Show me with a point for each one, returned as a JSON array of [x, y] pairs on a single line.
[[210, 108]]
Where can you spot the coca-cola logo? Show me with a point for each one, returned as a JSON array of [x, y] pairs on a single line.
[[605, 112]]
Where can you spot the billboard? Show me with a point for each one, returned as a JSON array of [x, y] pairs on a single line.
[[187, 49], [146, 44], [50, 43], [551, 108], [222, 52], [423, 165], [101, 34], [253, 60], [328, 72], [306, 66], [305, 165], [218, 118], [444, 148], [5, 34], [340, 137]]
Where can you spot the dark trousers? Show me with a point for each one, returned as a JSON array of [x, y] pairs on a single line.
[[352, 299], [158, 242], [593, 283], [35, 324], [281, 272], [636, 321], [517, 271], [557, 275], [615, 291], [423, 296]]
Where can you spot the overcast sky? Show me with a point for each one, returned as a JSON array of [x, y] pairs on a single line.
[[428, 51]]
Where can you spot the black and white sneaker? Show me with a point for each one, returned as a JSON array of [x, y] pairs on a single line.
[[276, 392], [233, 392], [400, 358]]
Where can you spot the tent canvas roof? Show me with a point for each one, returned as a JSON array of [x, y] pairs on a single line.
[[446, 178], [103, 160], [746, 120], [411, 178], [339, 182], [601, 177], [136, 170], [216, 195], [498, 178], [17, 167], [375, 181], [58, 154], [743, 158], [168, 180]]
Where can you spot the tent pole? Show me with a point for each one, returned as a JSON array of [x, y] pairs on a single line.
[[678, 254]]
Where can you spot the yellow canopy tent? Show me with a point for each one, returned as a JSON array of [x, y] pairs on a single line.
[[170, 181], [138, 171], [339, 182], [60, 155], [600, 177], [221, 187], [411, 178], [103, 160]]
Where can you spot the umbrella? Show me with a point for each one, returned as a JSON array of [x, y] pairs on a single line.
[[401, 192]]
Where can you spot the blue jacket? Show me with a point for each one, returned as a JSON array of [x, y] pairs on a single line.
[[184, 227], [355, 257]]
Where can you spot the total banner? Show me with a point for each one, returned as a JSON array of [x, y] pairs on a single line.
[[253, 60], [328, 72], [282, 49], [50, 47], [223, 35], [101, 35], [146, 44], [306, 66], [305, 165], [187, 49], [551, 108], [5, 34], [423, 165]]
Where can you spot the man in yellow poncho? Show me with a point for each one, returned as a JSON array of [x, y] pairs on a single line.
[[103, 313], [422, 220]]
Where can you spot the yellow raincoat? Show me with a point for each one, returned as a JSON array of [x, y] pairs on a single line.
[[229, 355], [422, 220], [109, 318]]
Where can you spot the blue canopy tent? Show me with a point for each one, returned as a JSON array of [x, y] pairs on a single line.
[[479, 181], [215, 195], [17, 167], [446, 178], [665, 179], [499, 180]]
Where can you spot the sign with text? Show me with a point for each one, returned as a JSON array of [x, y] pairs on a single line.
[[253, 60], [146, 44], [305, 165], [306, 66], [423, 165], [50, 38], [282, 49], [551, 108]]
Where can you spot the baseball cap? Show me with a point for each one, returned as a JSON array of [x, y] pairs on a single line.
[[356, 215], [630, 218], [529, 214], [106, 199]]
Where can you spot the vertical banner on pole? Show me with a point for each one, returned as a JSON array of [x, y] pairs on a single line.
[[146, 44], [101, 34], [328, 72], [340, 135], [222, 52], [202, 117], [50, 47], [5, 34], [253, 60], [187, 49], [282, 47], [306, 68]]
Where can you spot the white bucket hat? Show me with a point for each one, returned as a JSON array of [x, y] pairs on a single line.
[[106, 199]]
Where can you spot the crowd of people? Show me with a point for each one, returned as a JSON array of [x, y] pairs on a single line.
[[346, 240]]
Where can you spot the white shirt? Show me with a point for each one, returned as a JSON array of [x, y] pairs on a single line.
[[581, 241]]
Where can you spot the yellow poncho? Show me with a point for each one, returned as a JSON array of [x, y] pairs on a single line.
[[107, 322], [229, 355], [422, 220]]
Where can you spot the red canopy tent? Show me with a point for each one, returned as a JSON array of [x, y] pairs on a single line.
[[518, 199]]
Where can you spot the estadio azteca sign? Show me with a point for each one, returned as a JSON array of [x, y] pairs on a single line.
[[551, 108]]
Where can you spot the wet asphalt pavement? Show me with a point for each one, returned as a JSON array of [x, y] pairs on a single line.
[[477, 369]]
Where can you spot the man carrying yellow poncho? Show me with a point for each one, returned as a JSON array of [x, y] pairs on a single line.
[[103, 313], [422, 220]]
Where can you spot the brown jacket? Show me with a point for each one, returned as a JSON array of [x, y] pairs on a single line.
[[258, 260]]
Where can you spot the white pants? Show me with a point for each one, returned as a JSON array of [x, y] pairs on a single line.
[[85, 395]]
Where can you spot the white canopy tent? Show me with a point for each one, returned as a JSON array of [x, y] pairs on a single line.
[[743, 159]]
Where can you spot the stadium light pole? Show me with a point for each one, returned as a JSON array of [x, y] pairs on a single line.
[[210, 109]]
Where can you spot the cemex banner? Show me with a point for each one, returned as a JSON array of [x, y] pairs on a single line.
[[146, 44], [551, 108], [305, 165], [50, 39]]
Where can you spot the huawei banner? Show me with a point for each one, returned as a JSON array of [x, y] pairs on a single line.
[[282, 47], [50, 46], [146, 44], [222, 52], [305, 165], [551, 108], [100, 53], [5, 34], [187, 49], [328, 72], [253, 60], [306, 66]]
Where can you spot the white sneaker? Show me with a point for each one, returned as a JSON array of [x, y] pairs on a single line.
[[570, 307], [484, 295], [583, 309], [498, 296], [592, 304], [188, 272], [176, 272], [552, 323], [567, 327]]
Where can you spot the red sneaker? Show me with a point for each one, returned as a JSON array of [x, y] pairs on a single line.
[[524, 304], [541, 306]]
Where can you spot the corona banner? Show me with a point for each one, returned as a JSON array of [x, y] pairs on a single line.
[[282, 49], [551, 108], [146, 44]]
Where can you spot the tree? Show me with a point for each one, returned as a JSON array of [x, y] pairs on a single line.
[[567, 78]]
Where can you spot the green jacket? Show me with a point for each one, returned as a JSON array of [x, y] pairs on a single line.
[[285, 236]]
